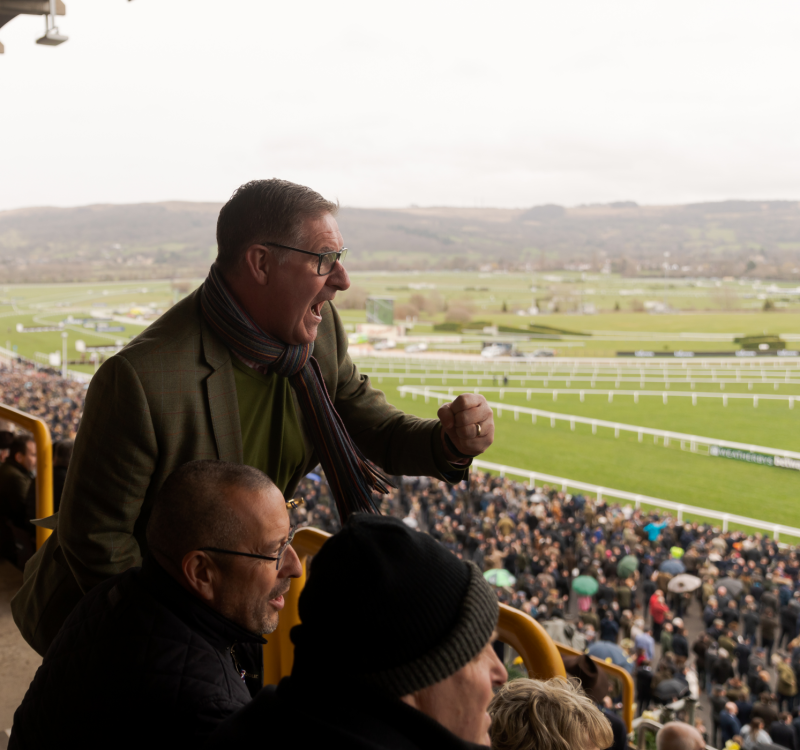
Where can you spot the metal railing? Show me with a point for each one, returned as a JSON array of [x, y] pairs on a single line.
[[570, 377], [44, 464], [637, 499], [520, 631], [666, 435]]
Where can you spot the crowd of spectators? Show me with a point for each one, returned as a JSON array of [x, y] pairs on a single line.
[[44, 394], [59, 402], [720, 640], [743, 654]]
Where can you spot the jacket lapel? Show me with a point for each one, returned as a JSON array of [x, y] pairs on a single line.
[[222, 403]]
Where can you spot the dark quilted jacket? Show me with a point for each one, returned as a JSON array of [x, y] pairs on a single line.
[[140, 663]]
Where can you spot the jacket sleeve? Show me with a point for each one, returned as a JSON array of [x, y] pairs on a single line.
[[114, 458], [397, 442]]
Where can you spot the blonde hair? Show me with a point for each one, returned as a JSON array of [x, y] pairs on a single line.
[[546, 715]]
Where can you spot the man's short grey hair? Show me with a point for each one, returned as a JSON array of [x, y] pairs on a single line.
[[191, 510], [263, 211]]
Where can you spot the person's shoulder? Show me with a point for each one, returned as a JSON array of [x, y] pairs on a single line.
[[179, 327]]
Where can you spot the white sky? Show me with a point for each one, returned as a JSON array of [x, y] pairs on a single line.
[[387, 104]]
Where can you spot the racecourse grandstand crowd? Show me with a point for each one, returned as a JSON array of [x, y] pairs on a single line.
[[687, 610]]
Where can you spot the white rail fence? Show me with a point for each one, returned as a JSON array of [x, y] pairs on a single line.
[[663, 395], [532, 477], [569, 378], [693, 441]]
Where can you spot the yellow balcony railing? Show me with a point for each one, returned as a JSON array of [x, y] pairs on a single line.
[[44, 463]]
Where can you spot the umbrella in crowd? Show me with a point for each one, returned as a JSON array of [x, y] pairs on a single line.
[[684, 583], [499, 577], [673, 567], [734, 585], [627, 566], [671, 690], [585, 586], [611, 652]]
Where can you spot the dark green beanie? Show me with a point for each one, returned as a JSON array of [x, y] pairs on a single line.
[[392, 607]]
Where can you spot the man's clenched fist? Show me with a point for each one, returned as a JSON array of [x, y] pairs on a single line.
[[469, 423]]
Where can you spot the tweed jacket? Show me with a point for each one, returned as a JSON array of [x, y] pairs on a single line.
[[167, 398]]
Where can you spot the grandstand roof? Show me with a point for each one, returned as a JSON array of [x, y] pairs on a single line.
[[10, 9]]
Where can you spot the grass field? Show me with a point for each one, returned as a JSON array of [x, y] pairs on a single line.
[[623, 463], [706, 315]]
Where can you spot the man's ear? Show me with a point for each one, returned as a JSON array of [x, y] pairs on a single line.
[[257, 264], [200, 574]]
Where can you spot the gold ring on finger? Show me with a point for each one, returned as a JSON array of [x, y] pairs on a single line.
[[478, 425]]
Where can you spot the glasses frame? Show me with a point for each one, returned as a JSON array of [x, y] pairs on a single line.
[[277, 560], [340, 256]]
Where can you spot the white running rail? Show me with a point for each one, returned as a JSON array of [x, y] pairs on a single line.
[[573, 419], [776, 529], [663, 395]]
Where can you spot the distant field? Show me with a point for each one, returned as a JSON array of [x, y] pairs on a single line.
[[621, 463]]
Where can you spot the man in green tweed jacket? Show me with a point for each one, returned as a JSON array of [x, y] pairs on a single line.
[[176, 393]]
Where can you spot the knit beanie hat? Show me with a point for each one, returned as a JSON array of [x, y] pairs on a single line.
[[391, 607]]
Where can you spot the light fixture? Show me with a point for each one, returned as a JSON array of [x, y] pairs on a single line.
[[51, 36]]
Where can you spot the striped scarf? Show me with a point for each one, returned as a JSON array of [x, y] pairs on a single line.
[[351, 477]]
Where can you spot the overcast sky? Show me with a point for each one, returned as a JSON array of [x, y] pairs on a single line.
[[391, 104]]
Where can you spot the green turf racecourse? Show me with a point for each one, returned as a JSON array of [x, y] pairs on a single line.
[[623, 463]]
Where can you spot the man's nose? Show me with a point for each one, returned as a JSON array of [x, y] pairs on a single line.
[[338, 278], [292, 567]]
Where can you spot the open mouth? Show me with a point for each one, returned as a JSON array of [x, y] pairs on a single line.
[[316, 309]]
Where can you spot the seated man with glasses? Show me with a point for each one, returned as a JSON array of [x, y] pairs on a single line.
[[250, 368], [159, 655]]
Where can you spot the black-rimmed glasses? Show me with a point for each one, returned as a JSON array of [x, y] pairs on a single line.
[[326, 260], [278, 559]]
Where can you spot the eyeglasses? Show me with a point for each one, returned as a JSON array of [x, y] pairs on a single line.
[[278, 559], [326, 260]]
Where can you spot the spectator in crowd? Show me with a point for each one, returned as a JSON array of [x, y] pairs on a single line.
[[546, 715], [180, 638], [750, 622], [728, 723], [421, 675], [679, 645], [769, 626], [44, 394], [764, 708], [666, 638], [789, 614], [782, 731], [609, 628], [644, 682], [742, 653], [17, 500], [786, 687], [718, 702], [205, 380], [62, 453], [721, 669], [676, 735], [658, 611], [754, 734], [755, 665], [646, 643]]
